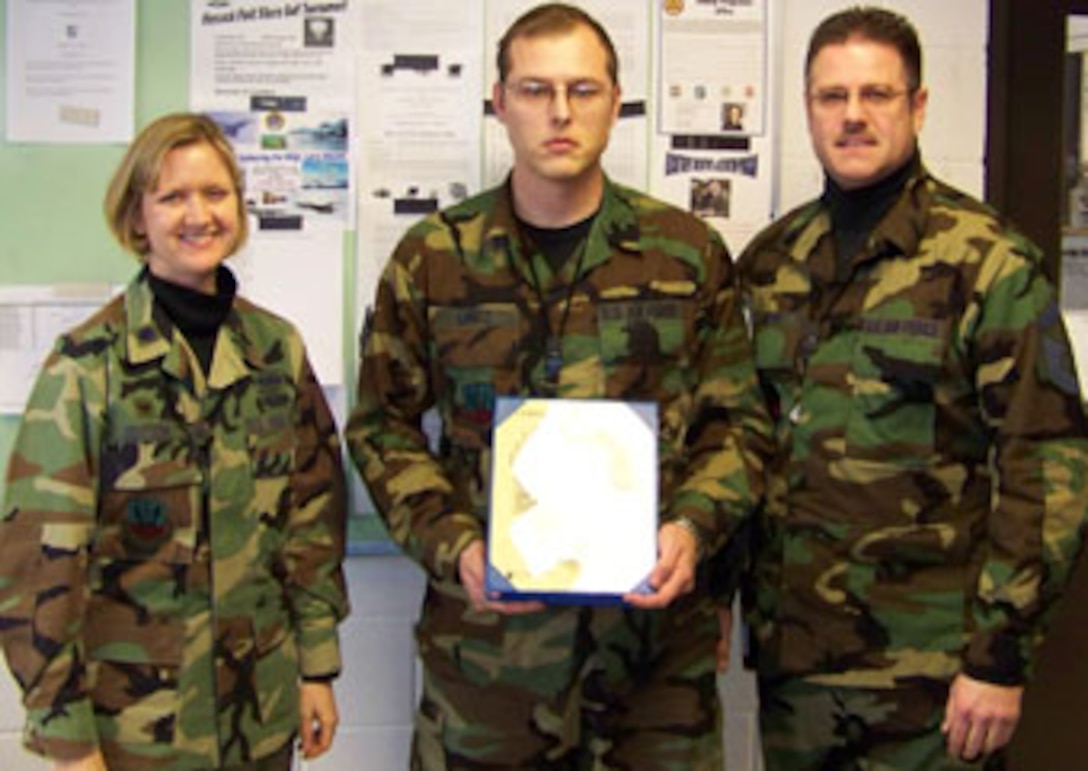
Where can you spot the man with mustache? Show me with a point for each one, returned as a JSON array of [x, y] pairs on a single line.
[[925, 496]]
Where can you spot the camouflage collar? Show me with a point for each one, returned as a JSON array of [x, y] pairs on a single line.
[[903, 227], [615, 229], [241, 353], [150, 338], [899, 232], [146, 339]]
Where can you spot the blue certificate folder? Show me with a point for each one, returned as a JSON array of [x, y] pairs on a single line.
[[574, 499]]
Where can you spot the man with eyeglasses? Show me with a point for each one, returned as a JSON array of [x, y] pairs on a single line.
[[559, 283], [926, 492]]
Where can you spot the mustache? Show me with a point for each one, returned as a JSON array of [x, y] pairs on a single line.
[[854, 131]]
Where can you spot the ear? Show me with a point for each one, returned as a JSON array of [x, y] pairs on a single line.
[[918, 104], [617, 103], [498, 100]]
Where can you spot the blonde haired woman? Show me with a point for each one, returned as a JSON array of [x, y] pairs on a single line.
[[173, 527]]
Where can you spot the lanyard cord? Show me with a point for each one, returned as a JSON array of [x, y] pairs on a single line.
[[553, 342]]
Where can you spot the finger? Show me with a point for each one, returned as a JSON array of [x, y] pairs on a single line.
[[975, 741], [476, 595], [516, 607], [670, 589], [654, 601], [511, 607], [663, 568], [669, 560], [644, 601], [309, 745], [998, 736], [306, 737], [957, 735], [325, 731], [678, 583], [317, 740], [681, 580]]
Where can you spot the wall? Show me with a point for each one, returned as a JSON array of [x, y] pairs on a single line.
[[378, 689]]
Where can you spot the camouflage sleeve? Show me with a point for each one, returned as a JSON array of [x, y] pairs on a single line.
[[1029, 396], [722, 482], [385, 435], [316, 534], [48, 517]]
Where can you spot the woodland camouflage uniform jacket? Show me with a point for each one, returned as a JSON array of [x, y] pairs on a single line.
[[170, 548], [458, 321], [930, 473]]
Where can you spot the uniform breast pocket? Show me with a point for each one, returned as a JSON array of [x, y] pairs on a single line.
[[896, 368], [271, 442], [476, 351], [642, 341], [779, 342], [149, 505], [485, 335], [270, 439], [778, 339]]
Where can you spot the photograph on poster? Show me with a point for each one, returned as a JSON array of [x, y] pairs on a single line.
[[710, 197], [318, 32], [732, 116]]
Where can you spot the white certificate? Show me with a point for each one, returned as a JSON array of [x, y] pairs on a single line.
[[574, 499]]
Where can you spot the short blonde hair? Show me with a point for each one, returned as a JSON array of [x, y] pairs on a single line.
[[139, 172]]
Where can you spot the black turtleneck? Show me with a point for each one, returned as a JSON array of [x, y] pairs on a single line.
[[197, 315], [854, 213]]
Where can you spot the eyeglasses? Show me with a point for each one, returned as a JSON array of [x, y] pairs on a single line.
[[541, 93], [874, 98]]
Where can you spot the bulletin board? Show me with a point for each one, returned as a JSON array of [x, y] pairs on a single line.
[[697, 128]]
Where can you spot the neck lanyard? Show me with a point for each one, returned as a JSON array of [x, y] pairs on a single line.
[[553, 341]]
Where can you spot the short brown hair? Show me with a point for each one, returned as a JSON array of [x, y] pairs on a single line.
[[552, 19], [139, 172], [878, 25]]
